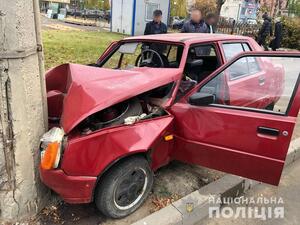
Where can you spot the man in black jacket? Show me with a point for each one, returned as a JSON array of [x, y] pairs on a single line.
[[211, 21], [156, 26], [196, 24], [265, 31], [276, 42]]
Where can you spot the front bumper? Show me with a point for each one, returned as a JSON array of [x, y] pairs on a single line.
[[73, 189]]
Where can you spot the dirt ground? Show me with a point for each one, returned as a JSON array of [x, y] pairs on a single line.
[[171, 183]]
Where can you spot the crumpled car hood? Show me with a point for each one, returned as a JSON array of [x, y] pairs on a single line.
[[88, 90]]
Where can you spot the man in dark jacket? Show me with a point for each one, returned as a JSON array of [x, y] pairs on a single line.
[[276, 42], [211, 21], [264, 32], [156, 26], [195, 24]]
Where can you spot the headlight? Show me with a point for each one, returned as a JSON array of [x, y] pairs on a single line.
[[51, 146]]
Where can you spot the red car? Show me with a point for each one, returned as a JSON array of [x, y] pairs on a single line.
[[206, 99]]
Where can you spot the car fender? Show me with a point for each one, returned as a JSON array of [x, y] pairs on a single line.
[[90, 155]]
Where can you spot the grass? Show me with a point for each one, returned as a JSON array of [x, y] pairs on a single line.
[[82, 47]]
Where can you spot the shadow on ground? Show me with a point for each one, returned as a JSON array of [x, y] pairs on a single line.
[[171, 183]]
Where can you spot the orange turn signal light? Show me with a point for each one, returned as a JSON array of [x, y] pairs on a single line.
[[169, 137], [50, 155]]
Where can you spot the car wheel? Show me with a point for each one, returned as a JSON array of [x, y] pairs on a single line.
[[124, 187]]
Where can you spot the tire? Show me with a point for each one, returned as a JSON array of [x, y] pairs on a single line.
[[134, 109], [124, 187]]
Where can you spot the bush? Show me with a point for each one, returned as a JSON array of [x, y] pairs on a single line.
[[291, 33]]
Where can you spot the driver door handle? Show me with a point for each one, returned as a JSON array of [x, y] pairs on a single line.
[[268, 131], [261, 80]]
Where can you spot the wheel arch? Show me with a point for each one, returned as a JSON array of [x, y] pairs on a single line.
[[142, 153]]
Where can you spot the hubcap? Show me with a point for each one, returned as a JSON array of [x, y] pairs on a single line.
[[130, 189]]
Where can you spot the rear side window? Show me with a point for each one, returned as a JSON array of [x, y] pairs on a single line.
[[244, 67], [232, 49]]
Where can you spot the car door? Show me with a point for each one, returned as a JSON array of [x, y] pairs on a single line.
[[234, 136], [248, 74]]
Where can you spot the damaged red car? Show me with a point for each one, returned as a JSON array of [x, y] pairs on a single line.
[[208, 99]]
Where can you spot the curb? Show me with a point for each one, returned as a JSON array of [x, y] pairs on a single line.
[[80, 23], [195, 206]]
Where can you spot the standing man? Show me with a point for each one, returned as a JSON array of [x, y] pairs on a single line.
[[211, 21], [265, 31], [156, 26], [195, 24], [276, 42]]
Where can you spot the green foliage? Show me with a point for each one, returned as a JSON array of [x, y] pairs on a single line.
[[291, 33], [178, 8], [97, 4], [92, 4], [106, 5], [294, 7]]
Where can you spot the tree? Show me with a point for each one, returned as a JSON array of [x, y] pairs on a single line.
[[294, 7], [219, 6], [97, 4], [206, 6], [106, 5], [92, 4], [178, 8]]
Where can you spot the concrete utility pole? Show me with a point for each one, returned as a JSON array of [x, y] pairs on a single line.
[[22, 109]]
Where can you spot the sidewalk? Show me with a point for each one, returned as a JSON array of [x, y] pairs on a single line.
[[288, 190]]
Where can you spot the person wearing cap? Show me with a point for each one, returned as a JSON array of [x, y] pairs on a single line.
[[156, 26]]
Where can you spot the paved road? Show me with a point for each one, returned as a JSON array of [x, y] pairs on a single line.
[[54, 24], [288, 190]]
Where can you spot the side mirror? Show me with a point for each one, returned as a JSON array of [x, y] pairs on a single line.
[[201, 99], [195, 63]]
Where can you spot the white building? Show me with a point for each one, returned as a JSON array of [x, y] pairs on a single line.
[[130, 16], [231, 9], [239, 9]]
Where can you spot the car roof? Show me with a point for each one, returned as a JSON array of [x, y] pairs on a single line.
[[189, 38]]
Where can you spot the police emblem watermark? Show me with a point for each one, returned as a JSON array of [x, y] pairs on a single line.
[[246, 207], [189, 207]]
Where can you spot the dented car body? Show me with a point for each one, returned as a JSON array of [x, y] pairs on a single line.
[[236, 115]]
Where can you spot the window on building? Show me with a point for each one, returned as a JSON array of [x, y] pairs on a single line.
[[150, 8]]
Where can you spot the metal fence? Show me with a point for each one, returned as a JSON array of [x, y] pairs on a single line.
[[237, 28]]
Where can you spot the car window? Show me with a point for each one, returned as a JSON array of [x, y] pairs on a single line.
[[129, 55], [246, 47], [205, 50], [270, 90], [172, 54], [201, 61], [232, 49], [244, 67]]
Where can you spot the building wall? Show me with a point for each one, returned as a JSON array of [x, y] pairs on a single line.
[[230, 9], [124, 20], [141, 17]]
